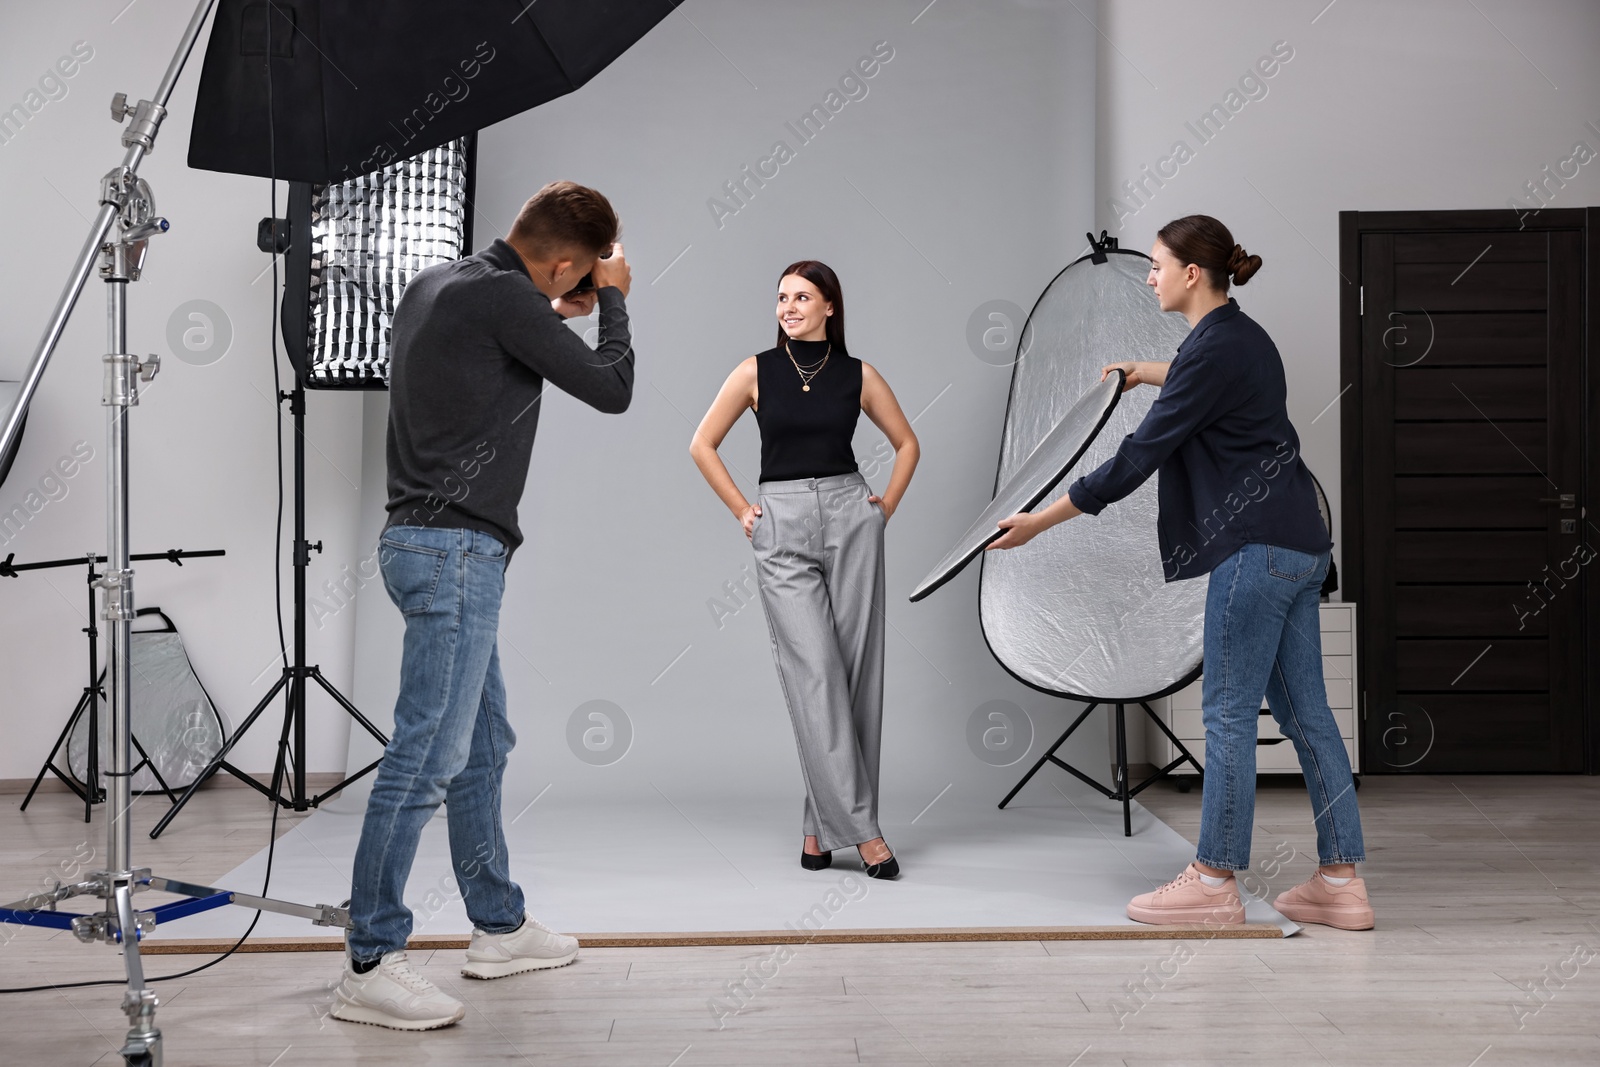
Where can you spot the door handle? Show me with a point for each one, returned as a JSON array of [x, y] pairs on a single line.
[[1566, 500]]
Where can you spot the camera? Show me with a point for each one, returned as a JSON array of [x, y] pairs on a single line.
[[586, 283]]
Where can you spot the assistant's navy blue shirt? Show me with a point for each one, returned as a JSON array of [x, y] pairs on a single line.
[[1229, 459]]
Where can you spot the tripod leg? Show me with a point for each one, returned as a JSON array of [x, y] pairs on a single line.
[[354, 712], [155, 772], [1046, 757], [1122, 774], [50, 760], [88, 794], [220, 759], [280, 763], [139, 1002], [1184, 753], [91, 785]]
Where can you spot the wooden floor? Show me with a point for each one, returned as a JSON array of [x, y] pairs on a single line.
[[1484, 888]]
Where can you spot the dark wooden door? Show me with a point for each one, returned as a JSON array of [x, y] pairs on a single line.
[[1474, 539]]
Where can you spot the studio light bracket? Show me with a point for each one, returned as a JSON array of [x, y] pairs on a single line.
[[147, 116]]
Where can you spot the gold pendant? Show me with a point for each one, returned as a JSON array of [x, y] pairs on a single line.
[[805, 388]]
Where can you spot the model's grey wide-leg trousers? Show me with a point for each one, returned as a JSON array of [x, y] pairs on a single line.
[[819, 563]]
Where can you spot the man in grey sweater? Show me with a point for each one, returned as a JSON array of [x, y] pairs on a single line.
[[474, 343]]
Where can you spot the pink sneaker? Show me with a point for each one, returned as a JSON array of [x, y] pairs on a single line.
[[1344, 907], [1186, 899]]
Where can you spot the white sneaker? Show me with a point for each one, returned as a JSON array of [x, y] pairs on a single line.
[[531, 947], [393, 994]]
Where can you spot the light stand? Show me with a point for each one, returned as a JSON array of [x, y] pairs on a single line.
[[1119, 773], [90, 790], [294, 675], [126, 201]]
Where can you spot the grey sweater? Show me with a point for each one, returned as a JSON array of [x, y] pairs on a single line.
[[473, 344]]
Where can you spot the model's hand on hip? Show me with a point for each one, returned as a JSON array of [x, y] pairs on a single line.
[[1019, 530], [888, 512], [747, 518]]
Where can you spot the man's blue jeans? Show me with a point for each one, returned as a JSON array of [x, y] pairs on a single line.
[[450, 740], [1264, 637]]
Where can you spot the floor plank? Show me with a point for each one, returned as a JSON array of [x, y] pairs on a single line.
[[1487, 952]]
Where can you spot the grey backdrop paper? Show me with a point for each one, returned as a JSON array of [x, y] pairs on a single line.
[[636, 586], [1083, 609], [1052, 458]]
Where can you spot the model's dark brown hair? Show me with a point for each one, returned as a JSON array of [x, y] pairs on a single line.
[[1205, 242], [820, 275], [565, 215]]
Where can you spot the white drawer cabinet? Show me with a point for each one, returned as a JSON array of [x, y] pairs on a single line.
[[1274, 752]]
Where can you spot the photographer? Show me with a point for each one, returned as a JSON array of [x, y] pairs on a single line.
[[475, 341]]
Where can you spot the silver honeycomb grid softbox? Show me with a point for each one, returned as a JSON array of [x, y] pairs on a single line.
[[368, 238]]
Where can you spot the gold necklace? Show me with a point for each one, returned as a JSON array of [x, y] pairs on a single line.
[[808, 373]]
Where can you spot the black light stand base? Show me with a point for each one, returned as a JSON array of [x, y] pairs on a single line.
[[1122, 791], [90, 791], [297, 799]]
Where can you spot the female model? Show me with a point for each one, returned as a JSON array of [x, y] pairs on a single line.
[[1220, 436], [817, 532]]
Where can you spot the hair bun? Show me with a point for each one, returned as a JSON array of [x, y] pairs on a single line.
[[1242, 266]]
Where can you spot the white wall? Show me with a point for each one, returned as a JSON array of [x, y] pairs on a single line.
[[203, 468], [1383, 106], [1430, 104]]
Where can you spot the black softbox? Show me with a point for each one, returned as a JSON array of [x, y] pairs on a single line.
[[360, 84]]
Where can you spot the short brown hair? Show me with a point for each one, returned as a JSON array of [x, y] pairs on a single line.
[[566, 215]]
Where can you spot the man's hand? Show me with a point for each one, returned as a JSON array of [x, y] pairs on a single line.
[[575, 305], [1019, 530], [613, 270]]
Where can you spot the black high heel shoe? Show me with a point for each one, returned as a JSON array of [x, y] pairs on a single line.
[[888, 870], [816, 863]]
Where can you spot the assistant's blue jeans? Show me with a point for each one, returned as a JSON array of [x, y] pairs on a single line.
[[450, 741], [1264, 637]]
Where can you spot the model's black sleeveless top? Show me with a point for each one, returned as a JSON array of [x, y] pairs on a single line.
[[807, 434]]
